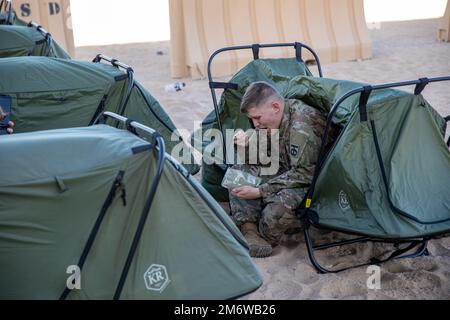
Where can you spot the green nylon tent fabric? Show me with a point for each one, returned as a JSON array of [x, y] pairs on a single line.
[[416, 159], [16, 41], [52, 188], [51, 93], [411, 137], [277, 72], [417, 163]]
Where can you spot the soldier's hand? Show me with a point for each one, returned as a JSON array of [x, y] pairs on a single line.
[[246, 192], [241, 138], [10, 127]]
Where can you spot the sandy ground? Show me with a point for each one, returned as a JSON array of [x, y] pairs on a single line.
[[401, 51]]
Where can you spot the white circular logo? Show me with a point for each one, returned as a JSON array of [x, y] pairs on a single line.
[[344, 203]]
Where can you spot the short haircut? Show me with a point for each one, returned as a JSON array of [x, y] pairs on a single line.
[[257, 94]]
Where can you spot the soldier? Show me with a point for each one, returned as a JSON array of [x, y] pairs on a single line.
[[266, 213]]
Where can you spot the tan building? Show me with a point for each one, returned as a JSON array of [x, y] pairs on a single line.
[[444, 25], [54, 16]]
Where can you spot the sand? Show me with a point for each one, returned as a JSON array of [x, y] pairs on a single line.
[[401, 51]]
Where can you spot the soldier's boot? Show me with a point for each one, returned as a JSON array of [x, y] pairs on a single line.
[[258, 247]]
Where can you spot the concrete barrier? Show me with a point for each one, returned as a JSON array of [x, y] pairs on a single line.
[[53, 15], [444, 25], [335, 29]]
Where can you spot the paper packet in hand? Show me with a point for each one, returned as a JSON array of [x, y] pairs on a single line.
[[242, 138], [236, 178]]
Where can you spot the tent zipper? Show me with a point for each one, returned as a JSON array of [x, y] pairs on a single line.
[[123, 194], [100, 109], [117, 184]]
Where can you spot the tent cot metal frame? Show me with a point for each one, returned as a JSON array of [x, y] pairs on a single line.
[[131, 84], [129, 75], [6, 6], [309, 217], [45, 33]]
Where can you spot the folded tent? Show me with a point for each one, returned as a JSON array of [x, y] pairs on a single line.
[[117, 207]]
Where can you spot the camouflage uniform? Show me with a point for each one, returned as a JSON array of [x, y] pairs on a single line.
[[300, 136]]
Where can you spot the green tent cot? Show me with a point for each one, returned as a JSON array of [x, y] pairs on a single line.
[[385, 178], [50, 93], [28, 40], [134, 222], [387, 175], [18, 38]]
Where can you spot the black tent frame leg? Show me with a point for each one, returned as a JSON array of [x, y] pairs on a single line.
[[420, 251]]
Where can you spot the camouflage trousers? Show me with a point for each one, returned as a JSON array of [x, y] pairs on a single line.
[[274, 215]]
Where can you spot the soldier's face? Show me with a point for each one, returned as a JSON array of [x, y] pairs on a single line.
[[266, 116]]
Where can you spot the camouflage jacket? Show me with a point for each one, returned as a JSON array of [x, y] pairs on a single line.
[[300, 137]]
